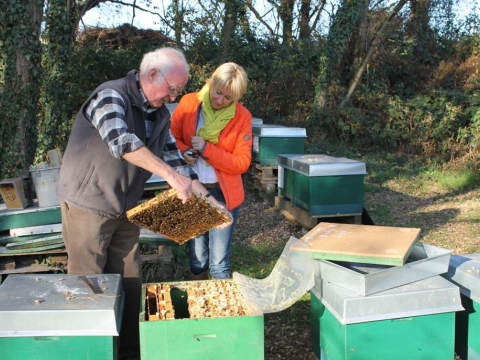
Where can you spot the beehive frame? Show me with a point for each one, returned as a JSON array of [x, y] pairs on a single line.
[[166, 214]]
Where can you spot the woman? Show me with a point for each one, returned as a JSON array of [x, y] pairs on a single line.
[[214, 133]]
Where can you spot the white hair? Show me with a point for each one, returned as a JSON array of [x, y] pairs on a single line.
[[165, 59]]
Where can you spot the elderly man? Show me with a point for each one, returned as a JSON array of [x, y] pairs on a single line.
[[121, 136]]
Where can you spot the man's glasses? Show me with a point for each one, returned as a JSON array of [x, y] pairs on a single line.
[[173, 90]]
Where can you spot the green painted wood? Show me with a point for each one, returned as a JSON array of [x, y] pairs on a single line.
[[324, 195], [32, 250], [32, 216], [36, 243], [357, 258], [58, 348], [270, 147], [4, 240], [232, 338], [416, 338], [467, 330], [316, 312]]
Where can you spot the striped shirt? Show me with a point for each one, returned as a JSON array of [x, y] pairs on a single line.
[[106, 112]]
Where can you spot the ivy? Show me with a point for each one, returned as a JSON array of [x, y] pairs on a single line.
[[20, 74], [55, 114]]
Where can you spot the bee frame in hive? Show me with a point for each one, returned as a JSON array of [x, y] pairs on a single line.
[[166, 214], [199, 319]]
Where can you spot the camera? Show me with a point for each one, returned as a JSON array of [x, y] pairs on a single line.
[[192, 154]]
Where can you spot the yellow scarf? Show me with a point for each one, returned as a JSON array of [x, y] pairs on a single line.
[[215, 120]]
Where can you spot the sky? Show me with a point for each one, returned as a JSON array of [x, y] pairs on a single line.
[[106, 15]]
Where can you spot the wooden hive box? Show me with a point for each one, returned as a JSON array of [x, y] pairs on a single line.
[[199, 320], [166, 214]]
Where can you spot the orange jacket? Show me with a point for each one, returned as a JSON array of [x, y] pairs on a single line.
[[230, 157]]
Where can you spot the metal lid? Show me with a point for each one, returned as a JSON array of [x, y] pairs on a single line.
[[434, 295], [278, 131], [322, 165], [256, 121], [60, 305], [464, 271], [423, 262]]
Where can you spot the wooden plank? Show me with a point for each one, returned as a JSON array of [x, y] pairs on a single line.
[[32, 250], [36, 230], [383, 245], [31, 216], [7, 263], [37, 243], [295, 213], [303, 217]]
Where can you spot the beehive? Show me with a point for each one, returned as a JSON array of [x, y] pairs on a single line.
[[324, 185], [271, 140], [414, 321], [464, 271], [58, 316], [199, 320], [166, 214]]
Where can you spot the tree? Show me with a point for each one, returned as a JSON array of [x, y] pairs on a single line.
[[20, 71]]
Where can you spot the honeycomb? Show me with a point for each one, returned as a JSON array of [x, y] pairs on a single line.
[[165, 214], [203, 299]]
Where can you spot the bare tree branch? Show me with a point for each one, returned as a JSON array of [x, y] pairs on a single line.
[[368, 56], [259, 18]]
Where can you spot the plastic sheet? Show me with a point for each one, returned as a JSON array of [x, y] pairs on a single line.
[[291, 278]]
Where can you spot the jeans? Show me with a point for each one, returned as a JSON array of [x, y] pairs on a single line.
[[211, 250]]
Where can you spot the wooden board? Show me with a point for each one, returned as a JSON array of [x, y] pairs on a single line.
[[381, 245]]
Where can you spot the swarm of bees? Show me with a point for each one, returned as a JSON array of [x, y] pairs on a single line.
[[204, 299], [165, 214]]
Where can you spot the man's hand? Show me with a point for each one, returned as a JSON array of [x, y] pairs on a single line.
[[145, 159], [180, 183]]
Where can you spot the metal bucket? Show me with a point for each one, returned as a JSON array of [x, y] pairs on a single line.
[[45, 184]]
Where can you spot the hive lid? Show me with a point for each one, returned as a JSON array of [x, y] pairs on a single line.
[[60, 305], [256, 121], [464, 271], [264, 130], [423, 262], [434, 295], [165, 214], [322, 165], [383, 245]]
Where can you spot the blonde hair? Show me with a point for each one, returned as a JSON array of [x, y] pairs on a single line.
[[231, 75]]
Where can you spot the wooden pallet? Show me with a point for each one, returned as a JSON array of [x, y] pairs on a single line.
[[263, 177], [303, 217]]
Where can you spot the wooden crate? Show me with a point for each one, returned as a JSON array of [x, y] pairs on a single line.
[[308, 221], [263, 177]]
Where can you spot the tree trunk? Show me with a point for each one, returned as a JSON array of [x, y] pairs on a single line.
[[20, 52], [368, 56], [304, 19], [232, 8]]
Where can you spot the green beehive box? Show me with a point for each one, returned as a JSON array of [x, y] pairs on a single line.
[[180, 334], [31, 216], [58, 317], [271, 140], [414, 321], [322, 184], [464, 271]]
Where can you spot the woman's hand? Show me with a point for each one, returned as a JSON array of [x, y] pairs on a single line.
[[190, 156], [198, 144]]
